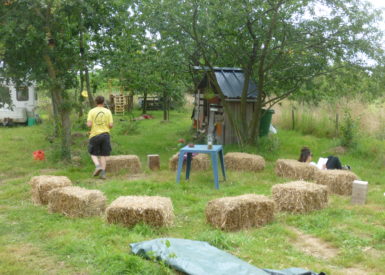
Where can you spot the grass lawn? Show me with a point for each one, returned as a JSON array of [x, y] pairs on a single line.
[[341, 239]]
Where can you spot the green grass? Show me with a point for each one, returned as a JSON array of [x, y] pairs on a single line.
[[33, 241]]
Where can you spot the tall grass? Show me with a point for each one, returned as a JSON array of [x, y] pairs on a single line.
[[326, 119]]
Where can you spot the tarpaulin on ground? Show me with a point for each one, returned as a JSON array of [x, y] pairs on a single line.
[[198, 258]]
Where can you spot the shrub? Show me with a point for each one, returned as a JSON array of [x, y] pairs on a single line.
[[128, 128], [349, 128]]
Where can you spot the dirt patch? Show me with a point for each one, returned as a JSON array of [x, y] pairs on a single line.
[[313, 246], [372, 252], [320, 249]]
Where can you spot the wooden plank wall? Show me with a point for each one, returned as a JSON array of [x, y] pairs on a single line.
[[229, 133]]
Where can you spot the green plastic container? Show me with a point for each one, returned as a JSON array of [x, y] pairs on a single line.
[[31, 121], [266, 118]]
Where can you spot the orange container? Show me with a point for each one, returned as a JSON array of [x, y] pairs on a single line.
[[38, 155]]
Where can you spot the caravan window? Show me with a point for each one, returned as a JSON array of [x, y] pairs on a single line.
[[22, 93]]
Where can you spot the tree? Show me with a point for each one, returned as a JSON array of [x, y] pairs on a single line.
[[41, 43], [141, 62], [365, 83], [281, 44]]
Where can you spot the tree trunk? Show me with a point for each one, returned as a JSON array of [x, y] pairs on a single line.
[[168, 108], [63, 110], [81, 96], [144, 105], [88, 85], [164, 106], [66, 134], [86, 73], [55, 115]]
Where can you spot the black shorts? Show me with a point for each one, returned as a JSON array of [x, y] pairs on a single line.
[[100, 145]]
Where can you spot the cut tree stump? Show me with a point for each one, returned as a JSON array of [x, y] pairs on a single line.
[[153, 162]]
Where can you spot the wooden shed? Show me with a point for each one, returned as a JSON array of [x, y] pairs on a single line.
[[209, 116]]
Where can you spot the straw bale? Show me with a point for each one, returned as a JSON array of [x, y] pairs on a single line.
[[130, 210], [41, 185], [235, 213], [338, 181], [129, 163], [74, 201], [200, 162], [299, 196], [290, 168], [244, 162]]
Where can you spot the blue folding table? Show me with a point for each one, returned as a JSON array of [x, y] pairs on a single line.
[[213, 152]]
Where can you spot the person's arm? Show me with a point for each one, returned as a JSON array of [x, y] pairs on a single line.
[[111, 122], [89, 120]]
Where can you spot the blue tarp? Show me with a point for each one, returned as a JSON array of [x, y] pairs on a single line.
[[200, 258]]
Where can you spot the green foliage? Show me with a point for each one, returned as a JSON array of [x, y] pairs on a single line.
[[128, 128], [5, 96], [269, 146], [349, 131], [343, 80], [218, 239]]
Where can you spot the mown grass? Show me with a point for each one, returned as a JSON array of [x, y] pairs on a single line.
[[44, 243]]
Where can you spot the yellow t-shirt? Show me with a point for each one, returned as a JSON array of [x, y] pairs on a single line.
[[101, 118]]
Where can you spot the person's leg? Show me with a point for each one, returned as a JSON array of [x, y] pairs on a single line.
[[95, 160], [333, 163], [105, 151], [94, 150], [102, 161]]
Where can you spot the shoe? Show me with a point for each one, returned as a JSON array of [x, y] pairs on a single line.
[[103, 175], [97, 171]]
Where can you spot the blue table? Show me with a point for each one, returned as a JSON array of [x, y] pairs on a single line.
[[213, 152]]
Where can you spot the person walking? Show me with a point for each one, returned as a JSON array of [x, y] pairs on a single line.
[[100, 121]]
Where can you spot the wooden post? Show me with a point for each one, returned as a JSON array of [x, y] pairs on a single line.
[[337, 120], [153, 162]]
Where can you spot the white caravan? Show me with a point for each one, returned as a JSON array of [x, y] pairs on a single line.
[[24, 104]]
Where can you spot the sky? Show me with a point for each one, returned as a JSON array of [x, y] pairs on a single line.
[[378, 3]]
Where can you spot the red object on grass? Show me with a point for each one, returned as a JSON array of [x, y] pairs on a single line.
[[39, 155], [181, 140]]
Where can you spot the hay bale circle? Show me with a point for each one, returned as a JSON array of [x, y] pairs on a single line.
[[244, 162], [338, 181], [129, 163], [200, 162], [41, 185], [293, 169], [74, 201], [240, 212], [130, 210], [299, 196]]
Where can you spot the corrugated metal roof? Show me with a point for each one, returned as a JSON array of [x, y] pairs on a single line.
[[231, 81]]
